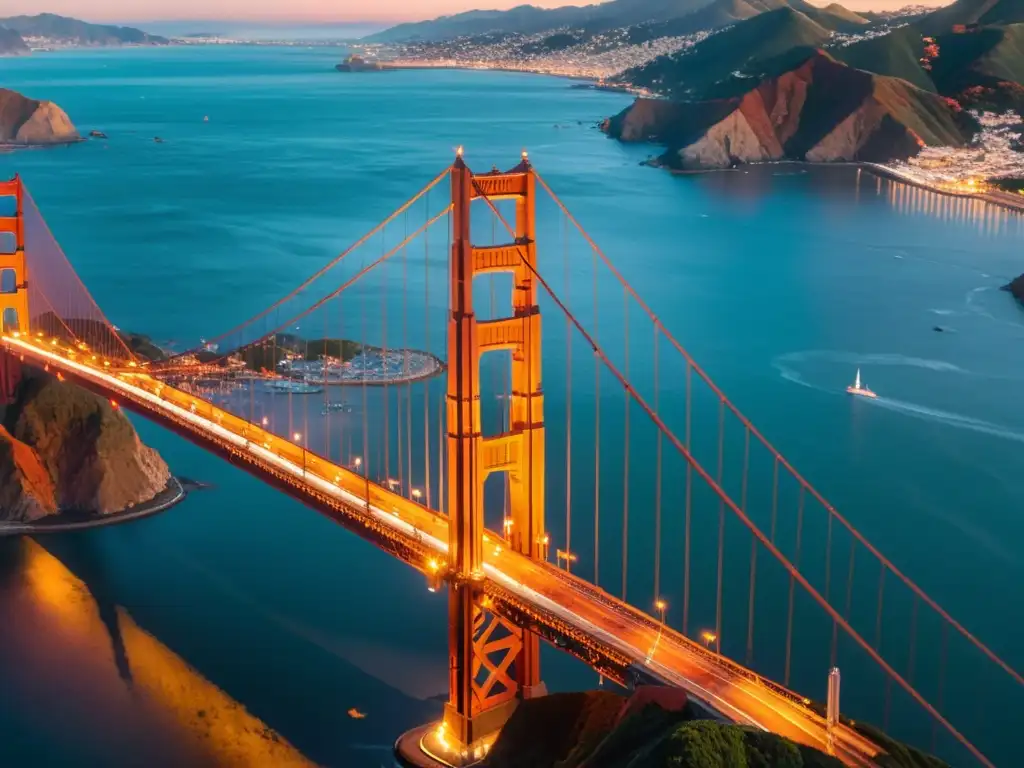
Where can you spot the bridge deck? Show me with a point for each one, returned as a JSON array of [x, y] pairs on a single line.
[[608, 633]]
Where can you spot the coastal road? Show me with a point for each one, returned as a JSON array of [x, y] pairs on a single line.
[[723, 686]]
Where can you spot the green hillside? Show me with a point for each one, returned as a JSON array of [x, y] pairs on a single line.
[[990, 55], [896, 55], [739, 55]]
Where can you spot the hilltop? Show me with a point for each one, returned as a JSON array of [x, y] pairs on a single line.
[[529, 19], [818, 110], [50, 29], [658, 727], [979, 67], [732, 60]]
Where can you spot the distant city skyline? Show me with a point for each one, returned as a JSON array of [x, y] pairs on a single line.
[[306, 11]]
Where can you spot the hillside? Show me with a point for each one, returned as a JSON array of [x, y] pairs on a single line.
[[982, 67], [11, 43], [529, 19], [657, 727], [733, 60], [67, 31], [896, 54], [820, 110]]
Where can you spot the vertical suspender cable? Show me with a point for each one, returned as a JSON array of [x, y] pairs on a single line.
[[689, 498], [625, 453], [568, 404], [753, 552], [402, 476], [792, 584], [721, 527], [657, 479], [384, 365], [327, 401], [597, 442], [426, 349]]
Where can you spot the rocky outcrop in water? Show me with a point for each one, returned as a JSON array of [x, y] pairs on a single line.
[[1016, 288], [25, 122], [66, 449], [820, 111]]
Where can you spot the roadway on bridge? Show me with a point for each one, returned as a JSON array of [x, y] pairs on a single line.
[[725, 687]]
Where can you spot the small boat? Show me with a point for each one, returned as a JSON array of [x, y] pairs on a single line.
[[859, 389], [336, 407]]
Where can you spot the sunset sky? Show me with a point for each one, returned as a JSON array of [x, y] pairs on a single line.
[[304, 10]]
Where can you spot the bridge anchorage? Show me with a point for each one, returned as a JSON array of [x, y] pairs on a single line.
[[493, 662]]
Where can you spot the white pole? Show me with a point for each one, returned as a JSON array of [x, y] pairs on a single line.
[[832, 707]]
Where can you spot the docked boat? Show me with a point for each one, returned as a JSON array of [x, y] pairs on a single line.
[[860, 389], [289, 386]]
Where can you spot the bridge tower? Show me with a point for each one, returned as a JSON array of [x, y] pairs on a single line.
[[492, 662], [14, 314]]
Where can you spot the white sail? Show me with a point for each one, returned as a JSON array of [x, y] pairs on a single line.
[[856, 382]]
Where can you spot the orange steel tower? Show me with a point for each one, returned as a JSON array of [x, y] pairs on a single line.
[[13, 277], [492, 662], [13, 283]]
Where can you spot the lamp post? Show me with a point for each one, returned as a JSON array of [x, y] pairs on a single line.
[[416, 494], [297, 437], [564, 554], [543, 540], [709, 638]]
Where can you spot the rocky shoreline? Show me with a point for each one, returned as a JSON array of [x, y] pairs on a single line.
[[175, 492]]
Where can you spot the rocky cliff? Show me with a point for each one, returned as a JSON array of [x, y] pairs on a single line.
[[820, 111], [26, 121], [64, 449]]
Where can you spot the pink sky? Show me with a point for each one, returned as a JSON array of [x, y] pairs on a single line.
[[305, 10]]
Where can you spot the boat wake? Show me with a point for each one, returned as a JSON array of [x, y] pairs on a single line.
[[950, 419], [787, 366]]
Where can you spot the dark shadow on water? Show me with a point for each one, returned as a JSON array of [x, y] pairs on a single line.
[[79, 553]]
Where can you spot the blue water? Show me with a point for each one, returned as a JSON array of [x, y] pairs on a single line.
[[780, 282]]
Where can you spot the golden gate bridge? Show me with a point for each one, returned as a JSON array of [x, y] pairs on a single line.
[[749, 586]]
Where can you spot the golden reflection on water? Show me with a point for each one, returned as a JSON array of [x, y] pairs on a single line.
[[114, 658], [988, 218]]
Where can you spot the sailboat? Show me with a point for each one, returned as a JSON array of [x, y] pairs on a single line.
[[859, 389]]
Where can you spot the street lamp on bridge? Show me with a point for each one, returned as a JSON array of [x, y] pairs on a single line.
[[662, 606], [709, 637], [564, 554], [297, 437]]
